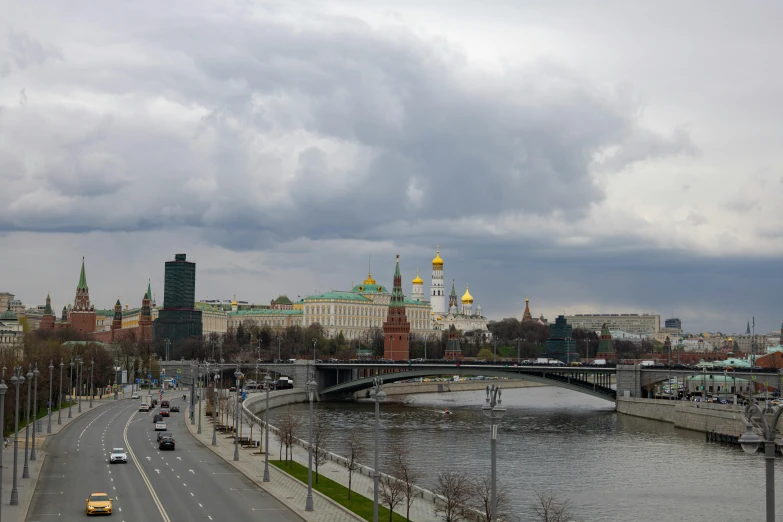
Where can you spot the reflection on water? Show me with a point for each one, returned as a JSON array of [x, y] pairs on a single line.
[[612, 467]]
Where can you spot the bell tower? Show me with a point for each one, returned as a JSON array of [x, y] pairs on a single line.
[[437, 294]]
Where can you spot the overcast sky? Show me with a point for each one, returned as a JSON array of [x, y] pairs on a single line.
[[608, 157]]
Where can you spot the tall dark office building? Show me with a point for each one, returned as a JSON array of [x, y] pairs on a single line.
[[673, 323], [178, 319], [560, 345]]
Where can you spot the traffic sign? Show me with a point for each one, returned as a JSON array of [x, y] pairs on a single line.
[[179, 371], [154, 381], [163, 371], [149, 376], [137, 381]]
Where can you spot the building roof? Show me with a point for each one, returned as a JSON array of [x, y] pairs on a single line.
[[437, 261], [370, 289], [283, 300], [263, 311]]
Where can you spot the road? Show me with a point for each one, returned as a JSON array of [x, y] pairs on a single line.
[[190, 483]]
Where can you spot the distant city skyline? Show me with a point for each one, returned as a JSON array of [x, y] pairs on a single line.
[[563, 152]]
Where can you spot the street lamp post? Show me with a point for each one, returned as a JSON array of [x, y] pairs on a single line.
[[310, 388], [80, 367], [200, 392], [267, 385], [117, 379], [3, 389], [51, 376], [16, 380], [92, 383], [238, 375], [26, 469], [493, 410], [70, 389], [33, 455], [60, 397], [215, 406], [380, 395], [750, 442]]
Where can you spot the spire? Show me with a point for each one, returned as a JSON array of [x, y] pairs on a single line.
[[82, 278], [747, 331], [149, 290], [48, 308], [397, 297], [527, 316]]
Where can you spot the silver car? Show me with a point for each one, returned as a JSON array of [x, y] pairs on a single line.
[[118, 455]]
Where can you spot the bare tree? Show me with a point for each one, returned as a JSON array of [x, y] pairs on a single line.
[[481, 499], [401, 468], [356, 451], [391, 492], [322, 431], [288, 429], [548, 508], [454, 490]]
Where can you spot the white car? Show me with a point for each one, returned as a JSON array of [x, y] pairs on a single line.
[[135, 396], [118, 455], [144, 407], [160, 426]]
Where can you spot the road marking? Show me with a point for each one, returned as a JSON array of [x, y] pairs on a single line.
[[192, 471], [192, 495], [200, 506], [147, 482]]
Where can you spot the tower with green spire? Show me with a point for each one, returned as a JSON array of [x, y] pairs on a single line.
[[396, 328], [605, 345], [82, 316], [47, 320]]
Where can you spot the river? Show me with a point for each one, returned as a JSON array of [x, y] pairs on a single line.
[[611, 467]]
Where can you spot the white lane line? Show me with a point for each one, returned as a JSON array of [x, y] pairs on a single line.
[[146, 480]]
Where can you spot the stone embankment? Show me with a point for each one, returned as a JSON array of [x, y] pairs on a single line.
[[724, 419]]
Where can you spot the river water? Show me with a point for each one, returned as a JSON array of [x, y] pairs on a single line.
[[611, 467]]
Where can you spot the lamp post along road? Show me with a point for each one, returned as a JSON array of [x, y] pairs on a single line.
[[215, 407], [238, 375], [60, 397], [33, 455], [70, 389], [493, 410], [200, 392], [92, 391], [310, 388], [80, 366], [16, 381], [750, 442], [51, 370], [3, 389], [267, 385], [379, 395], [26, 469]]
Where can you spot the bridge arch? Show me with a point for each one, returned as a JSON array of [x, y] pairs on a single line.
[[580, 382]]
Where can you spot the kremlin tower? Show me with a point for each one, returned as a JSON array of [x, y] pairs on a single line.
[[396, 328], [453, 305], [527, 316], [47, 321], [82, 316], [437, 295], [116, 323]]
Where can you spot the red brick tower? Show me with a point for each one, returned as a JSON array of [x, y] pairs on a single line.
[[396, 329], [47, 321], [145, 316], [453, 350], [527, 316], [82, 316], [116, 323]]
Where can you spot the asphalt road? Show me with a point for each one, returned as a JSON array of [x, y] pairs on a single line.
[[189, 483]]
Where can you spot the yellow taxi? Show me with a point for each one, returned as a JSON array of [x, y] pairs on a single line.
[[99, 504]]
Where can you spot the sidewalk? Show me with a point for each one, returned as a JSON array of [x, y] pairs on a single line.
[[26, 487], [292, 492]]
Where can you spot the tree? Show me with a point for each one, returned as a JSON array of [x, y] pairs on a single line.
[[391, 492], [481, 499], [548, 508], [356, 451], [322, 431], [454, 490], [401, 469], [288, 429], [485, 353]]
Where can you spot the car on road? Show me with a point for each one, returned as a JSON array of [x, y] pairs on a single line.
[[174, 409], [160, 426], [118, 455], [99, 504], [164, 413], [166, 443], [157, 418], [135, 396], [162, 434], [164, 404], [144, 407]]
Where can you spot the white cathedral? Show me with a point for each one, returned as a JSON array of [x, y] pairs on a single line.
[[463, 319]]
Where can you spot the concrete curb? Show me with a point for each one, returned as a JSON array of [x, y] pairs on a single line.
[[273, 469]]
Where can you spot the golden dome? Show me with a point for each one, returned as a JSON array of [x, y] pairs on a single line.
[[466, 297], [432, 313], [418, 280], [437, 262], [234, 302], [439, 318], [369, 280]]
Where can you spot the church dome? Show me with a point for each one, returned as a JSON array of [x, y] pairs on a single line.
[[466, 297], [417, 280], [437, 262], [8, 315], [369, 280]]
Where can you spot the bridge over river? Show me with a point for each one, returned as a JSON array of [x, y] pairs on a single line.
[[340, 380]]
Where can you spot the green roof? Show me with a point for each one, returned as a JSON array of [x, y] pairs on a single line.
[[283, 300], [370, 289], [104, 312], [265, 311], [344, 296], [409, 301], [82, 279]]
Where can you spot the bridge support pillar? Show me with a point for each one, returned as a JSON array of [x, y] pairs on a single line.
[[629, 380]]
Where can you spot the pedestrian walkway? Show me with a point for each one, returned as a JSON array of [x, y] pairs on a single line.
[[289, 490], [26, 487]]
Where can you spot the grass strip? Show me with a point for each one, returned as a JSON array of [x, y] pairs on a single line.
[[358, 503]]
